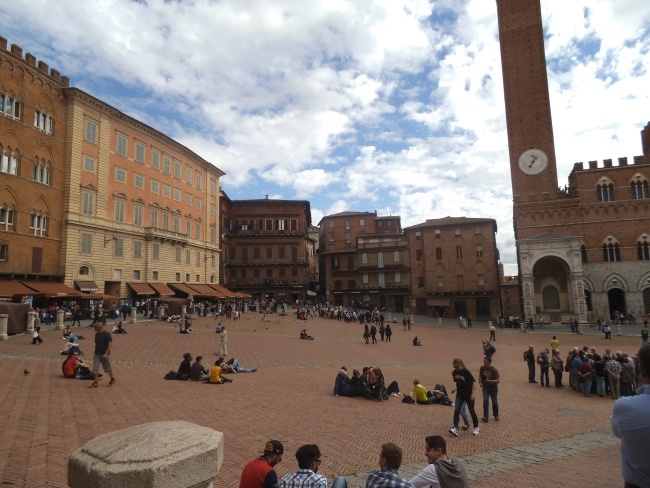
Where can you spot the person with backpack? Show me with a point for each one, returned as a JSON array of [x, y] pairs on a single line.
[[529, 357], [544, 365]]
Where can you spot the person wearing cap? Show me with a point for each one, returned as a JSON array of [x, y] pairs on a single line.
[[259, 472], [198, 371], [308, 457]]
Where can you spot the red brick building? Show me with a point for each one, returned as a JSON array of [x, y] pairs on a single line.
[[454, 267], [266, 247], [364, 260], [582, 249], [33, 127]]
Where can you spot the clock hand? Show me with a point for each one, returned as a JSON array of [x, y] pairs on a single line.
[[534, 158]]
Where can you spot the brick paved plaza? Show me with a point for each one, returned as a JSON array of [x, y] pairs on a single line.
[[545, 434]]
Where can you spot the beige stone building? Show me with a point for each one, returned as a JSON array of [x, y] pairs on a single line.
[[138, 206]]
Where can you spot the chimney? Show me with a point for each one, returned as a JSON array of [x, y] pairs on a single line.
[[645, 140]]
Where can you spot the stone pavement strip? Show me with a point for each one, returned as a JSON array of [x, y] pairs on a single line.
[[486, 464]]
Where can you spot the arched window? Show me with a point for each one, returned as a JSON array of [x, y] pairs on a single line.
[[605, 192], [639, 189], [611, 253], [551, 298], [6, 218], [643, 251], [396, 257], [8, 161], [38, 223], [380, 259], [364, 258], [41, 171], [583, 253]]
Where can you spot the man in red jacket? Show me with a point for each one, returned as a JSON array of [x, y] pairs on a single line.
[[259, 472]]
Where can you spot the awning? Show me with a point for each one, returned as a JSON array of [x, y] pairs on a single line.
[[222, 292], [51, 289], [203, 291], [86, 286], [98, 296], [162, 289], [438, 301], [141, 288], [14, 288], [182, 288]]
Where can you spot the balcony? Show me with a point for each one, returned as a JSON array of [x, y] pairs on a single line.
[[165, 235]]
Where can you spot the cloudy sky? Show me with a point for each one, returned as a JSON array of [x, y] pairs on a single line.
[[387, 105]]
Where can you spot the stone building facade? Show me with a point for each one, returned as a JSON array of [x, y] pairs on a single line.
[[582, 249], [139, 206], [454, 267], [267, 249], [364, 261], [33, 127]]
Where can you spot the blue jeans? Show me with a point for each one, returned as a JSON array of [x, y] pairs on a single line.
[[490, 392], [586, 388], [239, 368], [459, 411]]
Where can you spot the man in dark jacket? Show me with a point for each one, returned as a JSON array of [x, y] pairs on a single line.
[[442, 470], [529, 357]]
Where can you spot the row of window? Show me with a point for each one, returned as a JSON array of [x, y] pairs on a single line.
[[138, 275], [37, 221], [268, 273], [257, 253], [478, 252], [261, 224], [460, 281], [638, 190], [157, 162], [43, 122], [612, 253]]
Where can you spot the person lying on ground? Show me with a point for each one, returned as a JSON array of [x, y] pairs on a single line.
[[118, 329], [198, 371], [232, 366], [424, 397], [68, 334]]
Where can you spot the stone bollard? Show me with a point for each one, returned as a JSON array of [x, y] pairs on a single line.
[[618, 329], [245, 307], [183, 311], [161, 312], [412, 321], [59, 319], [439, 321], [134, 315], [175, 454], [390, 318], [31, 318], [4, 319]]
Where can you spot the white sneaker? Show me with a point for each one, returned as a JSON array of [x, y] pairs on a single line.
[[475, 431], [454, 431]]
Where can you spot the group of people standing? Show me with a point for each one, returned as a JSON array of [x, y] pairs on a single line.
[[370, 333]]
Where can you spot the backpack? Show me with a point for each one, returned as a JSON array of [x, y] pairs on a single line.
[[540, 360], [407, 399], [172, 375]]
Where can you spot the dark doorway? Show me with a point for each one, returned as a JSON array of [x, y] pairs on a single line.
[[646, 300], [382, 302], [421, 306], [616, 298], [399, 304], [482, 307], [590, 308], [460, 308]]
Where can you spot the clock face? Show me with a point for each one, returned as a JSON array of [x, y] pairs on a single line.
[[533, 161]]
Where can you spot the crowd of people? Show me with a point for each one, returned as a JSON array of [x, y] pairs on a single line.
[[368, 383]]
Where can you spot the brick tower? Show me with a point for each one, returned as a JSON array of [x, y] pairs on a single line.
[[528, 109]]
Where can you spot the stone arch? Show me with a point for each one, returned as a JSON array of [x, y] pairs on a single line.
[[47, 150], [41, 206], [11, 87], [615, 280], [8, 197], [45, 103], [644, 282], [588, 284], [91, 271]]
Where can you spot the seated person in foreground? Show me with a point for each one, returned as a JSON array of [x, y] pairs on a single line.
[[118, 329], [232, 366], [441, 470], [71, 346], [198, 371], [303, 335], [424, 397], [185, 368], [74, 367]]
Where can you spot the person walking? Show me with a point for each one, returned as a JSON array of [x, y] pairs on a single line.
[[489, 382], [36, 335], [493, 332], [382, 331], [389, 332], [223, 342], [373, 333], [76, 316], [464, 393], [102, 355]]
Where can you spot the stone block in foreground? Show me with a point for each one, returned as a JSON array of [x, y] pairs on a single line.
[[153, 455]]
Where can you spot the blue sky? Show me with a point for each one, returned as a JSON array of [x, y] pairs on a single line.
[[387, 105]]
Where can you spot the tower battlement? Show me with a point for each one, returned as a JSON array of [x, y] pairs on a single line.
[[608, 163], [30, 60]]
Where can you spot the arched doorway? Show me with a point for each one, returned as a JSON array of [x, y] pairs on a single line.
[[551, 286], [616, 299]]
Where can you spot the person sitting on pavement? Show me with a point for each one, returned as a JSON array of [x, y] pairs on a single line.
[[259, 472], [198, 371], [219, 328], [416, 341], [185, 326], [68, 334], [441, 470], [303, 335], [308, 457], [232, 366], [424, 397], [74, 367], [69, 346], [344, 387], [118, 329], [185, 368], [215, 375], [390, 460]]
